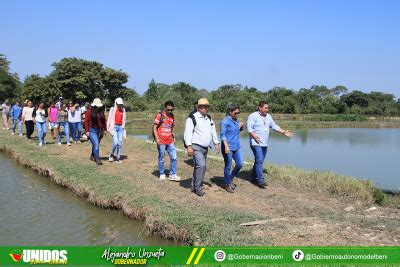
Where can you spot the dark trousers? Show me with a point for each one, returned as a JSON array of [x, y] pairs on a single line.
[[29, 128]]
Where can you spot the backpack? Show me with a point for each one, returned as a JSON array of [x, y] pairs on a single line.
[[162, 118], [191, 115]]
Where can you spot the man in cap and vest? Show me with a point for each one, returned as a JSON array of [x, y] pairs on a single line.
[[199, 134]]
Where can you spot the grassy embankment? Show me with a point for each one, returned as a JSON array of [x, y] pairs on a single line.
[[291, 121], [299, 207]]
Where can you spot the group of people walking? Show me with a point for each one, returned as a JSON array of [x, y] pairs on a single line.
[[62, 120], [199, 134]]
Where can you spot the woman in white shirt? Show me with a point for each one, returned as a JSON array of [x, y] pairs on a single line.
[[27, 118], [40, 117]]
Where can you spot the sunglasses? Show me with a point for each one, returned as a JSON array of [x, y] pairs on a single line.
[[201, 106], [170, 109], [236, 113]]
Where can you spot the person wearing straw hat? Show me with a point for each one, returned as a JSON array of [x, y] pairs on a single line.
[[95, 124], [116, 127], [199, 134]]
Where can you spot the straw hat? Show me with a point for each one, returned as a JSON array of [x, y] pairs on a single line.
[[203, 102], [97, 103]]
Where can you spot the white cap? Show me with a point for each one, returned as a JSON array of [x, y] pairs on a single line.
[[119, 101]]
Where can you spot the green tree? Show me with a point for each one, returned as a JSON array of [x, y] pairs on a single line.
[[308, 101], [282, 100], [36, 89], [355, 98], [152, 93], [339, 90], [4, 63], [10, 85], [84, 80]]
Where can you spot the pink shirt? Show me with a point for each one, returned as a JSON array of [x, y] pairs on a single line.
[[53, 114]]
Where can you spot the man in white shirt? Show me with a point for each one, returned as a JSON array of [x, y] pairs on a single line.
[[200, 133]]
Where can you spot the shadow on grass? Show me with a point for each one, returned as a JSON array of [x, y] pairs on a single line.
[[189, 162], [156, 173], [123, 157]]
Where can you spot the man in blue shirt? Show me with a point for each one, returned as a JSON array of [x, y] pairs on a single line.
[[15, 114], [258, 125]]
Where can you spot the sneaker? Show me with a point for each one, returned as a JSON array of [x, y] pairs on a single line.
[[162, 177], [59, 143], [20, 134], [233, 186], [79, 142], [12, 133], [98, 162], [174, 177], [118, 161], [40, 144], [92, 158], [228, 188], [69, 143], [111, 158]]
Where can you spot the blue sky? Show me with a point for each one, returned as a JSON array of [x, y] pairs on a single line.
[[295, 44]]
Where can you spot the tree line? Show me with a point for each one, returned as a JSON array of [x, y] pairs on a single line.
[[82, 80]]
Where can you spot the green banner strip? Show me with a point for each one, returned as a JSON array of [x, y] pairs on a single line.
[[125, 255]]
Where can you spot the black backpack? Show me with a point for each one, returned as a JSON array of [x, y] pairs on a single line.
[[191, 115], [162, 118]]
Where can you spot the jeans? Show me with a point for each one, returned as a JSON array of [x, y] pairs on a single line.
[[76, 130], [117, 140], [66, 131], [172, 155], [199, 160], [42, 130], [94, 136], [235, 155], [15, 122], [260, 152]]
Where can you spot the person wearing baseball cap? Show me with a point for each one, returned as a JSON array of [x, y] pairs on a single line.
[[59, 102], [116, 127], [199, 135], [95, 125]]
